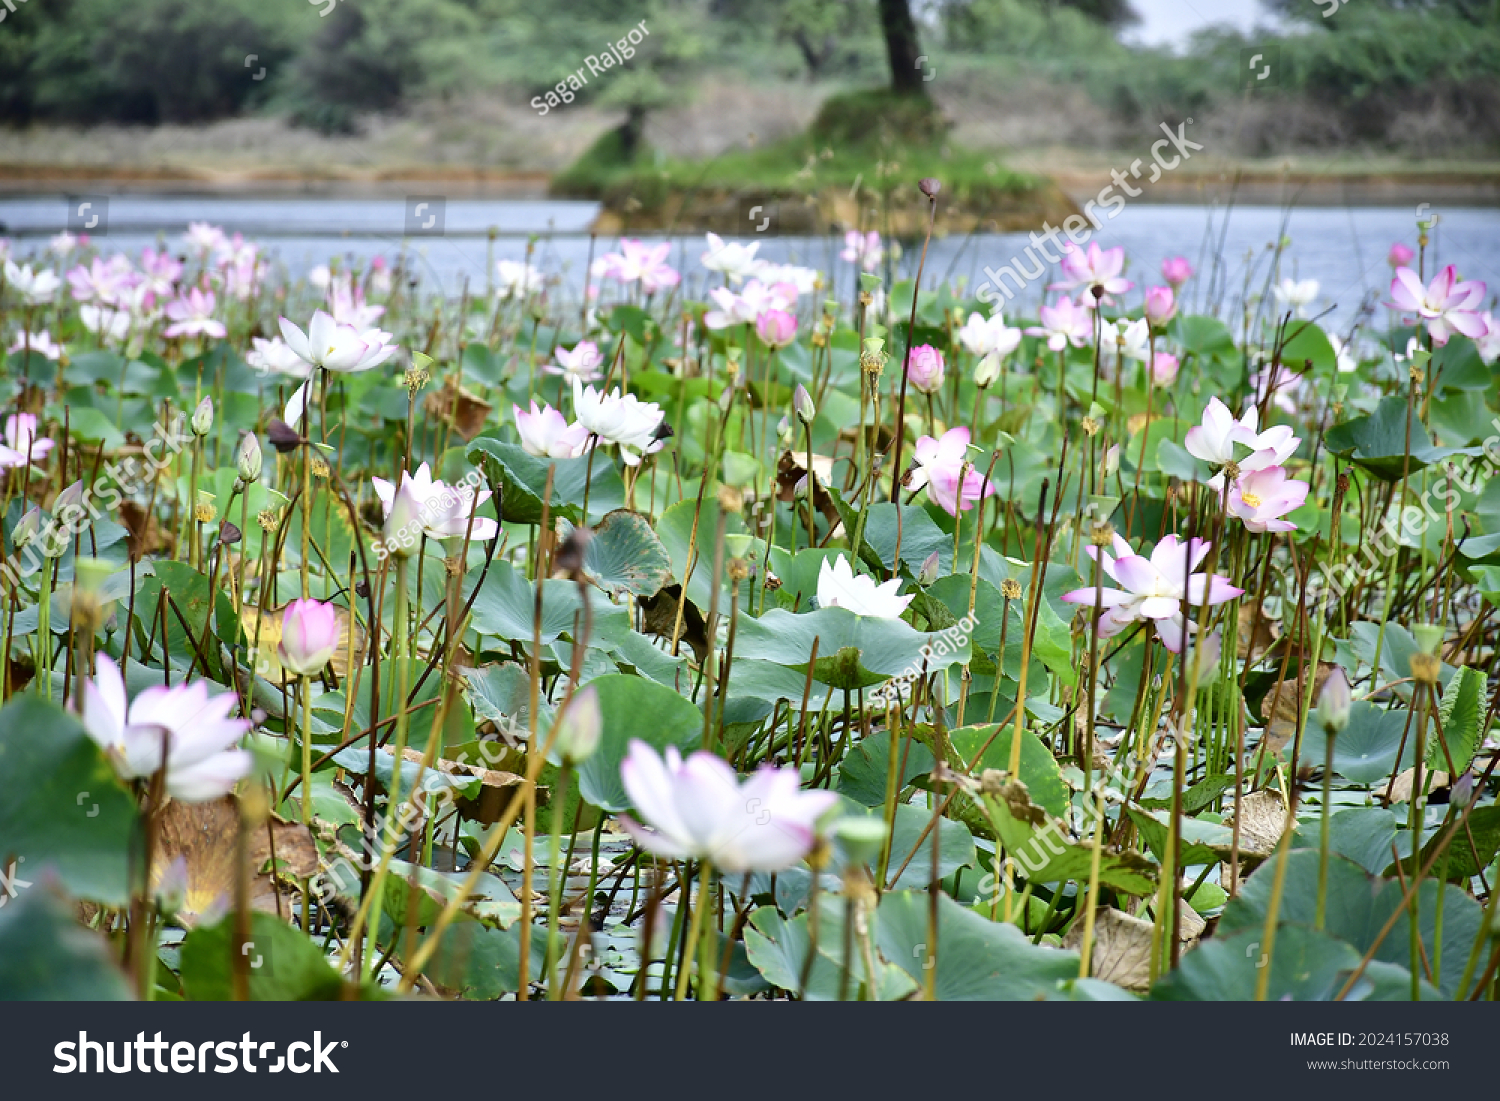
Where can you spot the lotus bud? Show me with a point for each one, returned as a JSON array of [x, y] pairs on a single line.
[[203, 417], [580, 727], [988, 370], [802, 402], [309, 636], [1334, 702], [172, 885], [1161, 305], [929, 571], [248, 461], [1111, 463], [1462, 791]]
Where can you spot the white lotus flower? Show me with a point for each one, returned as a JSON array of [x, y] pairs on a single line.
[[735, 261], [36, 287], [626, 421], [1298, 295], [840, 587]]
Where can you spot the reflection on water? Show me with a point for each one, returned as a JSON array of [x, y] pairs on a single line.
[[1344, 249]]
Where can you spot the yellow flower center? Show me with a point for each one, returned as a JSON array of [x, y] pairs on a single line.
[[1250, 499]]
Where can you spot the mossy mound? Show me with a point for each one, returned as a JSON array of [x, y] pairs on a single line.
[[879, 116]]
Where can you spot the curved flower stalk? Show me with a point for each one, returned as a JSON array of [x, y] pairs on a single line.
[[1154, 588], [192, 728]]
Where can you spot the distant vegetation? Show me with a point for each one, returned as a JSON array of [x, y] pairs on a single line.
[[1361, 77]]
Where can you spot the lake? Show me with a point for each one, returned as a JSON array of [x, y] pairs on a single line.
[[1344, 249]]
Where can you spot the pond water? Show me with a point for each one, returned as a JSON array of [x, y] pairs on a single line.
[[1344, 249]]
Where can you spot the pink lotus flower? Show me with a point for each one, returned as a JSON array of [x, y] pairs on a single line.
[[432, 508], [938, 465], [192, 315], [1156, 588], [1447, 305], [1161, 305], [582, 363], [862, 249], [1097, 268], [1261, 497], [21, 440], [745, 307], [101, 280], [546, 433], [776, 328], [346, 302], [1400, 256], [699, 809], [1489, 343], [309, 637], [1283, 384], [161, 269], [924, 368], [182, 723], [1164, 369], [1063, 324], [638, 261], [1176, 271]]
